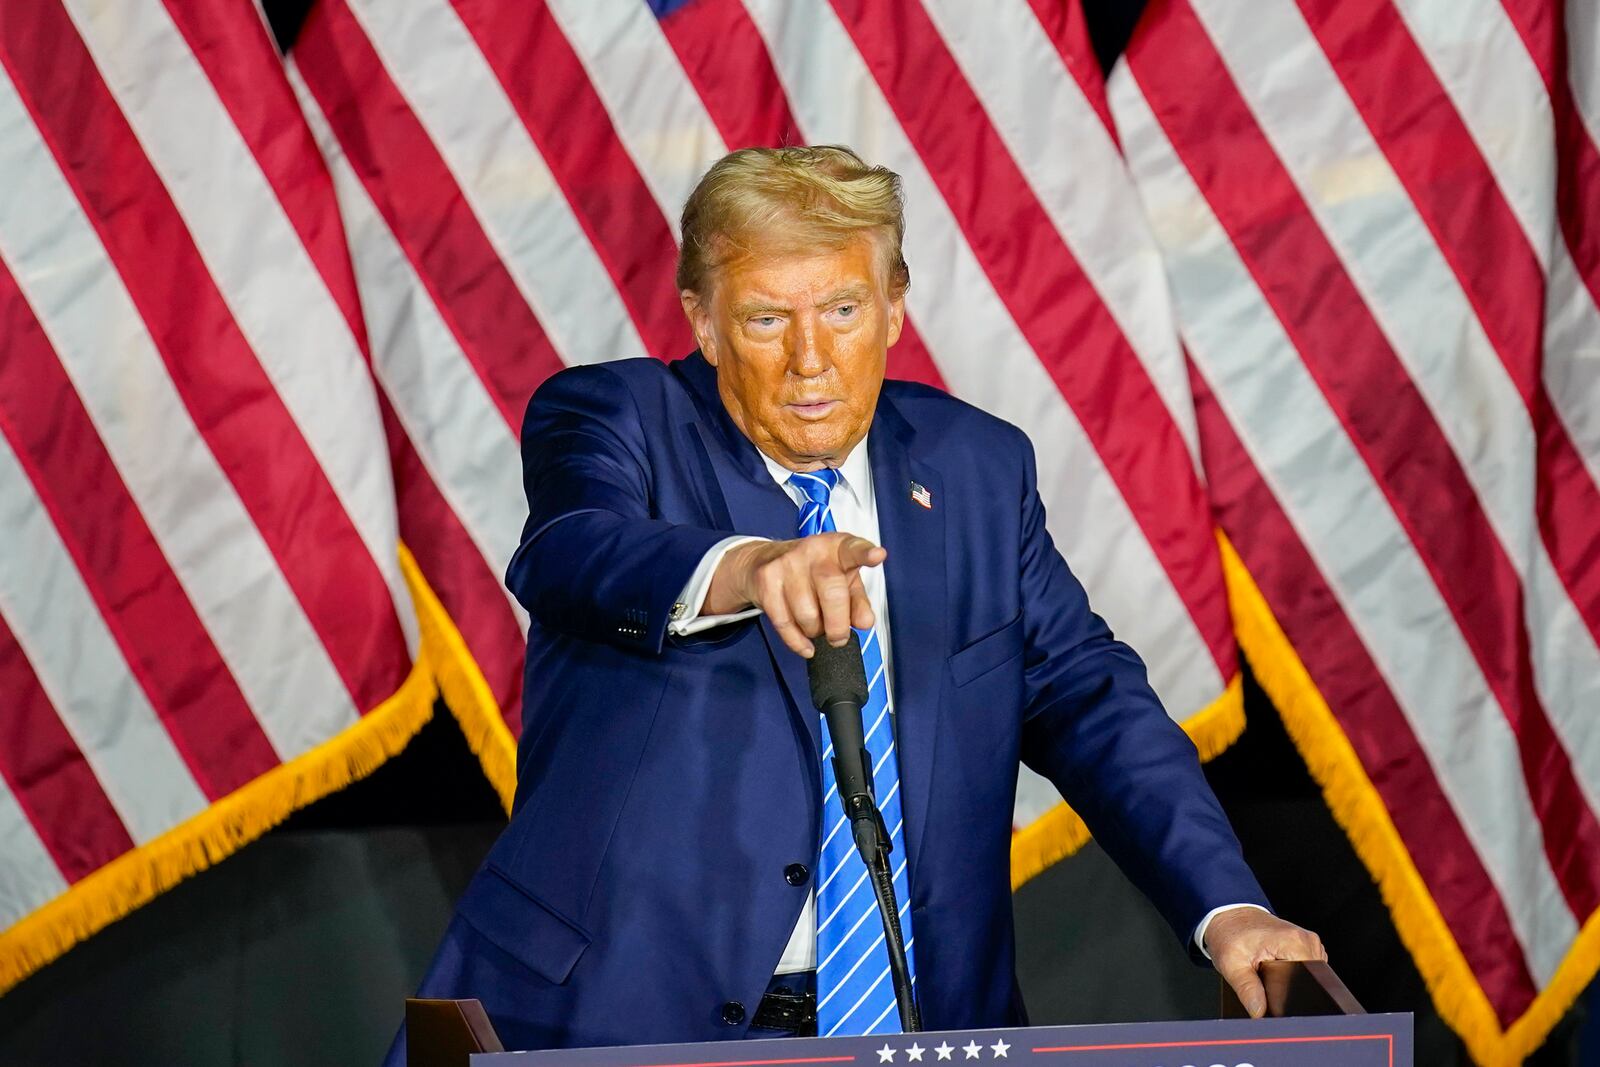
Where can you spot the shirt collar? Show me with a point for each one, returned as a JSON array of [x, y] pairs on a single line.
[[855, 473]]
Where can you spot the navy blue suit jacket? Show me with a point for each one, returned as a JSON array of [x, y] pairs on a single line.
[[665, 784]]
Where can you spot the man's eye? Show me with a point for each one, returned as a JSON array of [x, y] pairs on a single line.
[[848, 311], [765, 321]]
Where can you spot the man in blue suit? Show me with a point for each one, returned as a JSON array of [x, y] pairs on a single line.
[[674, 870]]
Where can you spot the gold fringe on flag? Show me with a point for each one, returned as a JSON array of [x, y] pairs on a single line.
[[136, 876], [1358, 808], [464, 687]]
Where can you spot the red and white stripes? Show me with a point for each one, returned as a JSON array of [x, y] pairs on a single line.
[[1357, 205], [202, 583]]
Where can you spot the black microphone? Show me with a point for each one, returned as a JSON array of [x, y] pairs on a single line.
[[839, 690]]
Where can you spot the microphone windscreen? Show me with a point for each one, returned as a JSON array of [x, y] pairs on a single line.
[[837, 674]]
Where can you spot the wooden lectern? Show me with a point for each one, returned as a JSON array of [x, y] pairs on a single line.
[[445, 1033], [1296, 988]]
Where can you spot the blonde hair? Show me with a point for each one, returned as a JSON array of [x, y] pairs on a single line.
[[801, 197]]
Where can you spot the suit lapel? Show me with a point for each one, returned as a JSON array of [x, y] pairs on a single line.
[[915, 576], [756, 506]]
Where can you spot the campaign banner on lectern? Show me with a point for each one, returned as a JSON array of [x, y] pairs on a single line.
[[1318, 1041]]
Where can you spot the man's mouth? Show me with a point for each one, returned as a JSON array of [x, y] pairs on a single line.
[[816, 409]]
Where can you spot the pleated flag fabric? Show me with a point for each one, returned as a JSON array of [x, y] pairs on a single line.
[[1381, 224], [204, 620]]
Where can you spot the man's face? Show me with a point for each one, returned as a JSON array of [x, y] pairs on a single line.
[[800, 343]]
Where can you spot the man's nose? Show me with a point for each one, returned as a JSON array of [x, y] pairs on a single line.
[[809, 351]]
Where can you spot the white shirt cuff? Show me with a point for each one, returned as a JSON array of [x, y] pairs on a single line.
[[1205, 924], [686, 617]]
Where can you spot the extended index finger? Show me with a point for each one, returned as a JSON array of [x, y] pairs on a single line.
[[859, 552]]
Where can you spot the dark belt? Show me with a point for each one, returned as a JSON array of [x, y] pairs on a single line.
[[790, 1006]]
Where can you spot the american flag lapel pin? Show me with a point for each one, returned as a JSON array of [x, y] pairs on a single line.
[[920, 494]]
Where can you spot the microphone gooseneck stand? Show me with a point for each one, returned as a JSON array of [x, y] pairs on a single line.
[[839, 689], [882, 877]]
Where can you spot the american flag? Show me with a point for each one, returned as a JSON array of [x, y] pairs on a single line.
[[1299, 309], [1381, 225], [204, 622]]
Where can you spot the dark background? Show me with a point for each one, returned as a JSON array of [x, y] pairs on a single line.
[[299, 949]]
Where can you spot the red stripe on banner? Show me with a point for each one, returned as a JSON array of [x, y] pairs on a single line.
[[468, 589], [1411, 116], [44, 770], [1566, 515], [224, 388], [144, 605], [1377, 403], [562, 113], [725, 58], [1543, 31], [231, 42], [1567, 506], [419, 200], [1578, 188], [1052, 301], [1366, 710], [1068, 30]]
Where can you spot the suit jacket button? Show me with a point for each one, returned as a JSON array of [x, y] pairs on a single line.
[[733, 1013], [796, 874]]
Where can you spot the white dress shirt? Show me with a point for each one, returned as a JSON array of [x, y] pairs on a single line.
[[854, 506]]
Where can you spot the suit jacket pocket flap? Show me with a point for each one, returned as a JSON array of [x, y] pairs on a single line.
[[987, 652], [522, 925]]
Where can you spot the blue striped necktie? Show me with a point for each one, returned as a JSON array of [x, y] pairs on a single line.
[[855, 994]]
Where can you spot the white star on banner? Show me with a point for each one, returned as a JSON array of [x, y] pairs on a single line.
[[886, 1054], [1000, 1048], [914, 1053], [944, 1049], [971, 1050]]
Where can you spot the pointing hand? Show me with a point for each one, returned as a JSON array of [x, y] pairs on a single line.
[[808, 587]]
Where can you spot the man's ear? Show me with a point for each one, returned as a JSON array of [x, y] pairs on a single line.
[[698, 312]]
